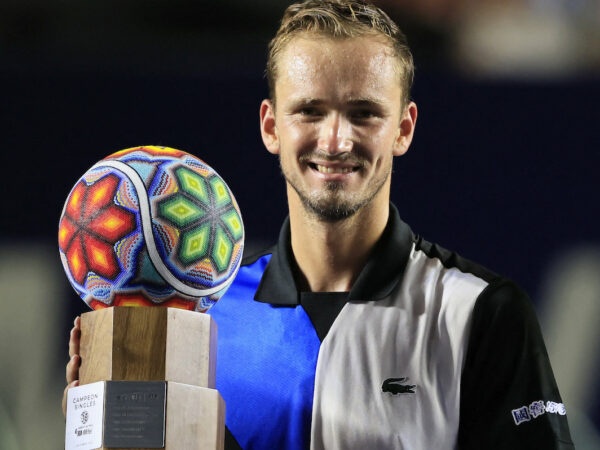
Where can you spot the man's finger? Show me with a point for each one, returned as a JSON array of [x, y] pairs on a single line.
[[72, 371], [74, 337], [64, 399]]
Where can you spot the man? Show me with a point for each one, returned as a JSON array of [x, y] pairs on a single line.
[[352, 332]]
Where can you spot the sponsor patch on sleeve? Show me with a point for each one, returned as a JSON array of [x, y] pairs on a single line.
[[537, 409]]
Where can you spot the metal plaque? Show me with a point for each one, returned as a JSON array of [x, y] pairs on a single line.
[[134, 414]]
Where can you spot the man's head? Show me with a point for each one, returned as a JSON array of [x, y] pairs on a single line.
[[339, 111], [341, 19]]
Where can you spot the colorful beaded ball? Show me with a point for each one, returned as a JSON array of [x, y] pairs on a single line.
[[151, 226]]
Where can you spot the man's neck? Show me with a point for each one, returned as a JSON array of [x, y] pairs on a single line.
[[331, 255]]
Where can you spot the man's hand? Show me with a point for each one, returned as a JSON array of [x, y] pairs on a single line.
[[72, 372]]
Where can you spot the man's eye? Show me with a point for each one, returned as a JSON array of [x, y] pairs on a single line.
[[361, 114], [310, 112]]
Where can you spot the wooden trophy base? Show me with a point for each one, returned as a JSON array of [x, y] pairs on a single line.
[[147, 380]]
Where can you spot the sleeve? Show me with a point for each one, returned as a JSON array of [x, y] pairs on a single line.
[[509, 397]]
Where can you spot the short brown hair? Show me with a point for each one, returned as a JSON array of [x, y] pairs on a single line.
[[341, 19]]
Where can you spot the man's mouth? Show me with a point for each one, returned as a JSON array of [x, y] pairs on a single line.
[[335, 169], [332, 164]]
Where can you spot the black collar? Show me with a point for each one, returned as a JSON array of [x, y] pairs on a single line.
[[376, 281]]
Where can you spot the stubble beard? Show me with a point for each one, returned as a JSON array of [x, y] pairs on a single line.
[[333, 203]]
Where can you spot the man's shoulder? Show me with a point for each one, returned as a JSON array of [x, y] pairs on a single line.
[[453, 260], [500, 293]]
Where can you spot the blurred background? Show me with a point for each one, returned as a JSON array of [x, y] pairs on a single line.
[[503, 168]]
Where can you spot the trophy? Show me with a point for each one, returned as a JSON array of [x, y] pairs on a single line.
[[145, 227]]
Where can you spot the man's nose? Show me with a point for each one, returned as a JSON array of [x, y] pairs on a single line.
[[335, 135]]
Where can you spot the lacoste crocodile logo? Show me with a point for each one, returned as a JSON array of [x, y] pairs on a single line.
[[395, 386]]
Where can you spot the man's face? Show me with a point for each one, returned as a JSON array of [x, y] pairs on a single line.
[[337, 123]]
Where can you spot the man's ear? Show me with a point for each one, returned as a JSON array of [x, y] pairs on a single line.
[[268, 129], [406, 129]]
